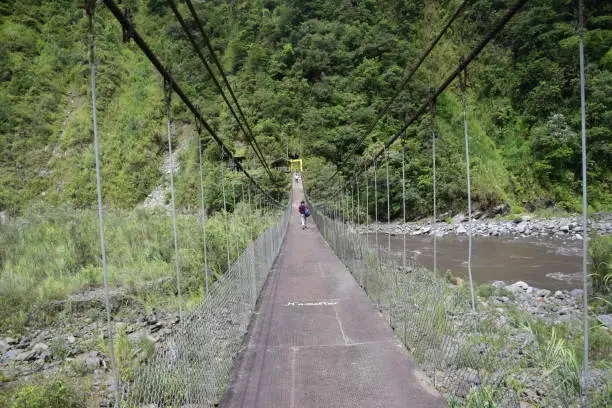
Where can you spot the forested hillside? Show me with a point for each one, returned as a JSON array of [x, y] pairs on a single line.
[[311, 76]]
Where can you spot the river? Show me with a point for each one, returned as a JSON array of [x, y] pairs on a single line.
[[545, 264]]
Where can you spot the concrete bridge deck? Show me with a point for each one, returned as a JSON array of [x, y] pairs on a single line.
[[317, 341]]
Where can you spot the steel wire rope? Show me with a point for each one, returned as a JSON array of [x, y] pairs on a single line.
[[358, 192], [404, 203], [378, 252], [585, 303], [198, 51], [404, 270], [213, 54], [367, 217], [465, 62], [434, 224], [234, 223], [90, 8], [202, 203], [227, 239], [463, 85], [168, 103], [352, 217], [252, 254], [405, 81], [127, 25], [388, 206]]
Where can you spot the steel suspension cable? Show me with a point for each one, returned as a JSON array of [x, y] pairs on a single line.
[[463, 84], [133, 34], [352, 219], [367, 202], [434, 225], [404, 205], [376, 207], [213, 55], [388, 207], [90, 7], [234, 223], [168, 102], [465, 62], [252, 263], [405, 81], [202, 203], [227, 233], [585, 302], [358, 188], [198, 51]]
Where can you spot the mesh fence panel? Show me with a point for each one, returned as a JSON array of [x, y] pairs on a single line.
[[193, 367], [466, 354]]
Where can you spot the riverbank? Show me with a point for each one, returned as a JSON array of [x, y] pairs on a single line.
[[565, 228]]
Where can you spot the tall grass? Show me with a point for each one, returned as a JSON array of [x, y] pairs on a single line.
[[51, 253], [600, 251]]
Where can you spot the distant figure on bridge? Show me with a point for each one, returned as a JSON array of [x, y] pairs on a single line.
[[304, 214], [297, 178]]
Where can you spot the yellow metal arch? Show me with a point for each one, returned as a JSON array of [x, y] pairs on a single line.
[[295, 164]]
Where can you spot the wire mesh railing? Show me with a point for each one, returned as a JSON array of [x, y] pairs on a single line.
[[475, 358], [193, 366]]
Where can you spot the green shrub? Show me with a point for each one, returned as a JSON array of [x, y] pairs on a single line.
[[486, 290], [54, 394], [51, 253], [600, 251]]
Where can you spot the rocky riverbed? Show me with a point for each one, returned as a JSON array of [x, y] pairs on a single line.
[[503, 350], [523, 225], [74, 346]]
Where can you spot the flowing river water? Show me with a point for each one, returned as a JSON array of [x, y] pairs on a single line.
[[545, 264]]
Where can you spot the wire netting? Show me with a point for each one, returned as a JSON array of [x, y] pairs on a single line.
[[193, 367], [471, 357]]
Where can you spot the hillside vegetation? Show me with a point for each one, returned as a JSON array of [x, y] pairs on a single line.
[[310, 76]]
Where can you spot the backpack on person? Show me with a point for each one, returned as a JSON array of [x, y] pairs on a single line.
[[306, 212]]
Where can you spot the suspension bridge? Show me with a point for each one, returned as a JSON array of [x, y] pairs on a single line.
[[319, 317]]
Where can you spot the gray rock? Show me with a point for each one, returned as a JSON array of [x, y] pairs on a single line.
[[4, 346], [564, 228], [498, 284], [90, 361], [13, 354], [559, 295], [606, 320], [542, 292], [461, 230], [518, 287], [577, 293], [71, 339], [39, 350], [470, 375], [27, 355]]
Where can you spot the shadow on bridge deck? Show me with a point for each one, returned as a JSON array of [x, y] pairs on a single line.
[[317, 341]]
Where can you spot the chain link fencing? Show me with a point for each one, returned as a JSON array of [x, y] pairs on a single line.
[[192, 368], [475, 359]]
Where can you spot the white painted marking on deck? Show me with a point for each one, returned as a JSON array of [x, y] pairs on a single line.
[[346, 340], [322, 303]]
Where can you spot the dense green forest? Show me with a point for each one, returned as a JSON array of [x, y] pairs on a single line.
[[311, 76]]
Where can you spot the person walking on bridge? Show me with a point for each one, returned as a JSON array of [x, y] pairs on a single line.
[[304, 214]]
